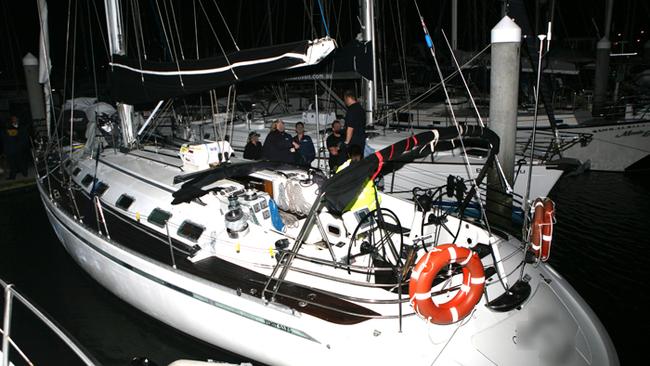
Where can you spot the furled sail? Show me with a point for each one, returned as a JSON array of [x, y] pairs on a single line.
[[136, 80]]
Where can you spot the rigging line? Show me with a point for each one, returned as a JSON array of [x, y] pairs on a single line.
[[101, 30], [137, 43], [196, 31], [178, 36], [468, 165], [337, 20], [137, 16], [402, 50], [226, 24], [92, 52], [322, 15], [12, 40], [435, 87], [218, 41], [310, 16], [169, 47], [173, 43], [74, 56], [480, 120], [532, 150]]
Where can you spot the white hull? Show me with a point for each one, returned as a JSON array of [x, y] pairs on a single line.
[[277, 335], [613, 147]]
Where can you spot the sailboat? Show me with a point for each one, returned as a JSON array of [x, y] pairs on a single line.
[[285, 266]]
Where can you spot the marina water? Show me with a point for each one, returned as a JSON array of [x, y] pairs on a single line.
[[599, 246]]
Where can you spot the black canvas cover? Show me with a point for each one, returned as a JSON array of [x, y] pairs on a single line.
[[195, 183], [134, 80], [341, 189]]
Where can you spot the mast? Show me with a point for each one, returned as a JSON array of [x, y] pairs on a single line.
[[116, 44], [369, 90]]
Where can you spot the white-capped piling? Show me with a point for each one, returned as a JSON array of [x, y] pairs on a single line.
[[34, 90], [504, 93], [603, 49], [601, 77]]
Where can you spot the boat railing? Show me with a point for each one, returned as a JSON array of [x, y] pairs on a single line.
[[11, 294], [549, 144]]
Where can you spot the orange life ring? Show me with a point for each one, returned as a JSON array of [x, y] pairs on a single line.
[[466, 298], [541, 235]]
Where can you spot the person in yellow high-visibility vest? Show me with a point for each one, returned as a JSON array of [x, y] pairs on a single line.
[[366, 198]]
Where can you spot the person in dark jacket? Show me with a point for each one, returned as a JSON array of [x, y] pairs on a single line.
[[355, 121], [279, 145], [253, 149], [15, 140], [306, 152], [333, 142]]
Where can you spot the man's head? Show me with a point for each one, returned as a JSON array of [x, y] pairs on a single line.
[[349, 98], [336, 126], [278, 125], [13, 120], [354, 152], [300, 128]]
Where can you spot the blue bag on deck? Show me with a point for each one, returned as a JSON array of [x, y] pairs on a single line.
[[276, 220]]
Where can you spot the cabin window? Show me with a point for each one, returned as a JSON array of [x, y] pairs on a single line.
[[124, 202], [76, 171], [159, 217], [100, 188], [87, 180], [190, 230]]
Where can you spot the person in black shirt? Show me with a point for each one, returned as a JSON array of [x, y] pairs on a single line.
[[333, 143], [355, 121], [253, 149], [279, 145]]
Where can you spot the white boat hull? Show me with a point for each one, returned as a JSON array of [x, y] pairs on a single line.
[[613, 147], [281, 336]]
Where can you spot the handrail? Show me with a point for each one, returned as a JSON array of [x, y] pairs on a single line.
[[11, 293]]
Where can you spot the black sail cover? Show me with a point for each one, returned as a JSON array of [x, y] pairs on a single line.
[[135, 80], [343, 188]]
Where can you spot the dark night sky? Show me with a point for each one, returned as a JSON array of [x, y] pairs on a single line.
[[248, 20]]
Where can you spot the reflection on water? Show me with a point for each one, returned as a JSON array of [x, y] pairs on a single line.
[[599, 246]]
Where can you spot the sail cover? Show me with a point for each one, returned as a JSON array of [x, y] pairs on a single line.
[[135, 81], [197, 184], [345, 186]]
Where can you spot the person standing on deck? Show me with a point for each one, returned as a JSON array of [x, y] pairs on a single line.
[[306, 152], [355, 121], [279, 145], [253, 148], [333, 142]]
